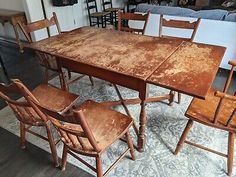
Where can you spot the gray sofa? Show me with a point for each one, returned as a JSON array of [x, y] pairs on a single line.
[[214, 14]]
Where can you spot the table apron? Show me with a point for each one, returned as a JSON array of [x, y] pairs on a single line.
[[107, 75]]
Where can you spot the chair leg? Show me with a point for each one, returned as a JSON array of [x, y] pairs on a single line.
[[63, 84], [52, 146], [22, 135], [183, 137], [179, 98], [230, 153], [91, 80], [98, 22], [172, 97], [99, 166], [46, 77], [131, 146], [64, 158]]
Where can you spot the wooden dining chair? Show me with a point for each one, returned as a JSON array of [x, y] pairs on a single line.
[[89, 130], [48, 61], [48, 96], [108, 7], [95, 17], [123, 19], [173, 24], [218, 110]]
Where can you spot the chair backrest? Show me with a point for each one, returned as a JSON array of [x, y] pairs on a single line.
[[45, 60], [91, 6], [27, 29], [22, 109], [178, 24], [73, 129], [106, 4], [224, 95], [124, 17]]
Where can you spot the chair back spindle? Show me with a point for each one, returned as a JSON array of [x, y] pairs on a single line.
[[107, 4], [223, 95], [73, 128], [21, 108], [27, 29]]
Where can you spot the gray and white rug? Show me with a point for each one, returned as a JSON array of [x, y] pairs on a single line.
[[165, 124]]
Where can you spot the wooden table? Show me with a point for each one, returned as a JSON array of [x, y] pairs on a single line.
[[13, 17], [133, 61]]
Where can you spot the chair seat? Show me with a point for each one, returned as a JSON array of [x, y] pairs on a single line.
[[113, 9], [203, 111], [54, 98], [99, 14], [106, 125]]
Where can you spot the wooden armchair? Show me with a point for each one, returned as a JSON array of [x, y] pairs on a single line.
[[29, 117], [124, 17], [218, 111], [48, 61], [89, 130], [176, 25]]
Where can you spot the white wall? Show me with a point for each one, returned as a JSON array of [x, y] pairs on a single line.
[[6, 30], [70, 17], [12, 4]]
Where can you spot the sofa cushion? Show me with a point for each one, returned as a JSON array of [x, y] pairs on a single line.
[[214, 14]]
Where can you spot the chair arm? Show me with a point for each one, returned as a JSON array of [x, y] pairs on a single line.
[[225, 95]]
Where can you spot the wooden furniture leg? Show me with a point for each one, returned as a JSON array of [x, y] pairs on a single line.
[[64, 157], [230, 153], [22, 135], [52, 146], [131, 146], [183, 137], [142, 119], [179, 98], [172, 97], [99, 166], [18, 39], [91, 80], [4, 68]]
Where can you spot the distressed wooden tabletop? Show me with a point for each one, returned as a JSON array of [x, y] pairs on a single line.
[[191, 69], [171, 63], [133, 55]]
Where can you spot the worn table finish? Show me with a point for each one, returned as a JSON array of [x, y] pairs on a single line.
[[121, 58], [191, 69], [13, 17]]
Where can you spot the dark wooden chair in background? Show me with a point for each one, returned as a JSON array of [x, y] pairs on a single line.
[[89, 130], [29, 117], [123, 19], [108, 7], [218, 111], [95, 17], [175, 25], [48, 61]]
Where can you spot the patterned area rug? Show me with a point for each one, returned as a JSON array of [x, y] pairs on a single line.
[[165, 124]]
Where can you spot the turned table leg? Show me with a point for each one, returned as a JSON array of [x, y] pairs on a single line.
[[142, 119]]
